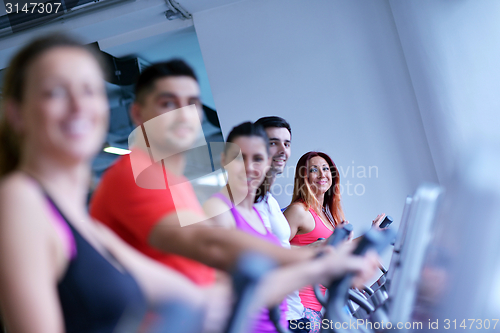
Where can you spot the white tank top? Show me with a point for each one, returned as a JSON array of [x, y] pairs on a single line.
[[276, 223]]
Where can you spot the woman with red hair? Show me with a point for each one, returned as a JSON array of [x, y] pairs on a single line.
[[316, 190], [314, 213]]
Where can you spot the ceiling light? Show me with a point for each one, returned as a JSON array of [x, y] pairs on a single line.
[[117, 151]]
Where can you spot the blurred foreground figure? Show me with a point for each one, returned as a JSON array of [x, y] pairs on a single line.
[[459, 282], [60, 271]]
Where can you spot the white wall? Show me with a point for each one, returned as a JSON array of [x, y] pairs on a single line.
[[336, 71], [182, 43], [453, 55]]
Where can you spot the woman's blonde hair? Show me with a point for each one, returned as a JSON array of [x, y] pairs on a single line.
[[302, 190], [14, 90]]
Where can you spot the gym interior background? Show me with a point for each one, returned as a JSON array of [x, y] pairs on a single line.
[[397, 92]]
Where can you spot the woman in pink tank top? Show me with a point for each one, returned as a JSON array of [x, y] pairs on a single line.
[[314, 213]]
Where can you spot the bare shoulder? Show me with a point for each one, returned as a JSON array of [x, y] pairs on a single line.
[[299, 218], [296, 209], [27, 250], [20, 194], [22, 202], [218, 212], [17, 183], [24, 225], [214, 206]]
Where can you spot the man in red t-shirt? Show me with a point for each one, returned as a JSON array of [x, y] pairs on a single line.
[[133, 213], [137, 197]]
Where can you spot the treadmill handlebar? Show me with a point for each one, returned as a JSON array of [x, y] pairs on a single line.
[[340, 234], [368, 241], [249, 270], [339, 289], [386, 222]]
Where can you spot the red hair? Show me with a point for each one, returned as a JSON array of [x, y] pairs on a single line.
[[302, 190]]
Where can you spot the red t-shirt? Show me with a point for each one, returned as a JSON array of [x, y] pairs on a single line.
[[132, 211]]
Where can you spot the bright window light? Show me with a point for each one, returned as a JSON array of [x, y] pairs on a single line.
[[214, 179], [117, 151]]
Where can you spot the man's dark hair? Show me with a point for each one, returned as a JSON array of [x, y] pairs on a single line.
[[146, 81], [274, 121]]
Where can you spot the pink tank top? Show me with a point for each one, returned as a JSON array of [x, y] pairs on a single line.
[[262, 323], [306, 294]]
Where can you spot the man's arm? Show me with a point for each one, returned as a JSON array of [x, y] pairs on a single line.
[[215, 246]]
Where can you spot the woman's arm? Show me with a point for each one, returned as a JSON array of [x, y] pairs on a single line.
[[31, 258], [161, 283], [218, 211], [334, 264], [158, 282], [299, 219]]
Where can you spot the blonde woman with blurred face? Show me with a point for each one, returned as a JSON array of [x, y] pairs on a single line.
[[60, 271]]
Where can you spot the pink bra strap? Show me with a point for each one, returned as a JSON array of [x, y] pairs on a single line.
[[63, 229]]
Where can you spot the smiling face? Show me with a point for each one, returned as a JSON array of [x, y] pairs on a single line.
[[64, 110], [246, 170], [177, 128], [319, 175], [279, 148]]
